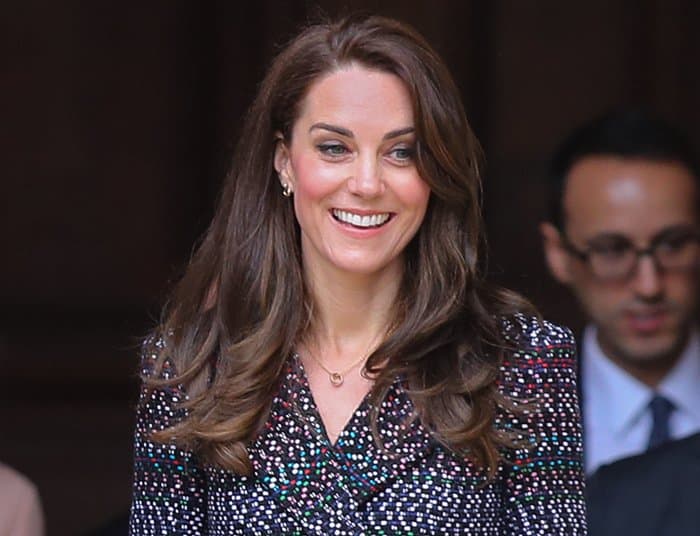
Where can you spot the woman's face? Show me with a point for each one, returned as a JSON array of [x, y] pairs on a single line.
[[358, 197]]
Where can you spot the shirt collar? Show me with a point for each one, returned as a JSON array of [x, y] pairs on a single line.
[[682, 384], [612, 394], [621, 399]]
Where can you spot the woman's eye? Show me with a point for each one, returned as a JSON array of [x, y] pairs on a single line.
[[332, 149], [402, 154]]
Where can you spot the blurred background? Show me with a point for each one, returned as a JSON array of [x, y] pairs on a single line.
[[118, 120]]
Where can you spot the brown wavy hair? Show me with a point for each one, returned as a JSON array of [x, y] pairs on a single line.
[[234, 318]]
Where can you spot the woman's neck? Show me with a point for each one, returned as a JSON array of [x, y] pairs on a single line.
[[351, 312]]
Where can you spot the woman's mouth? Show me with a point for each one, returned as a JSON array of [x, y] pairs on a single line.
[[361, 221]]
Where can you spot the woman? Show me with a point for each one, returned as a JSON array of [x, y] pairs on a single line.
[[332, 362]]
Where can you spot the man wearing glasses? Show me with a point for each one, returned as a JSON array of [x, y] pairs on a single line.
[[624, 235]]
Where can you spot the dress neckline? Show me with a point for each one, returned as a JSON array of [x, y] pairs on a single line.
[[354, 421]]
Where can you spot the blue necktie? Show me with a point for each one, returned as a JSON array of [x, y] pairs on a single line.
[[661, 409]]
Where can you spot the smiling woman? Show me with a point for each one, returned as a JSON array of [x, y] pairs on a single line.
[[332, 362], [358, 196]]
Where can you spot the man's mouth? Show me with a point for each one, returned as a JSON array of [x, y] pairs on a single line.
[[646, 321]]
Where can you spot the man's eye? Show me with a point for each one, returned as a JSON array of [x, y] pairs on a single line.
[[671, 245], [332, 149], [675, 243], [613, 250]]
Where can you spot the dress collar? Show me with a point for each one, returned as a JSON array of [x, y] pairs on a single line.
[[298, 465]]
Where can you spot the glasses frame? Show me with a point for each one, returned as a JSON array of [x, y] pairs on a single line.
[[584, 255]]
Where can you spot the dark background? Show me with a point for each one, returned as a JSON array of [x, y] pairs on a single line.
[[118, 120]]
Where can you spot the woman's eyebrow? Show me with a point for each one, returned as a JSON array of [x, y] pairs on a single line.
[[333, 128], [399, 132], [349, 134]]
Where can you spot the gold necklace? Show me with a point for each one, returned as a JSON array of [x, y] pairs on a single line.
[[335, 377]]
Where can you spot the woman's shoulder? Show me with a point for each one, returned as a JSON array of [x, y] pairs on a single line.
[[162, 402], [159, 388], [155, 364], [532, 333], [536, 350]]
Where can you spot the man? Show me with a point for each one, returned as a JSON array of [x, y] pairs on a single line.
[[652, 494], [624, 236]]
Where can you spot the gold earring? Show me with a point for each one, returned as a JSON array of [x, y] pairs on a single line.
[[286, 190]]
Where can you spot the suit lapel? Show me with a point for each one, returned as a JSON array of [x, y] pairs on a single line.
[[675, 478]]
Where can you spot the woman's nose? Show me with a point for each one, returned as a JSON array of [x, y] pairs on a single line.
[[366, 179]]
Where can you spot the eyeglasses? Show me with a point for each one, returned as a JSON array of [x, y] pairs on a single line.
[[615, 257]]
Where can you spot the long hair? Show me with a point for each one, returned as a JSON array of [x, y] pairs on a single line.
[[234, 318]]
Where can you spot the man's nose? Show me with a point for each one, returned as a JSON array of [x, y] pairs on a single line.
[[648, 278]]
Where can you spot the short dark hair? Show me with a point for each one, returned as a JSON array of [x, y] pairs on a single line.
[[624, 133]]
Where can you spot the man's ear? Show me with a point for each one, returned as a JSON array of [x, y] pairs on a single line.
[[282, 162], [558, 259]]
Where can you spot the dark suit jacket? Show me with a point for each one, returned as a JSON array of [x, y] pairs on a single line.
[[653, 494]]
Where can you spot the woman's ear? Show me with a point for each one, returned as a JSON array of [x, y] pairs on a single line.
[[282, 162]]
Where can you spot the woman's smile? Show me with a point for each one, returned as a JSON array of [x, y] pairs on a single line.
[[361, 219]]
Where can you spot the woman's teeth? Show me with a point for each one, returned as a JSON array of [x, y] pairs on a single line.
[[375, 220]]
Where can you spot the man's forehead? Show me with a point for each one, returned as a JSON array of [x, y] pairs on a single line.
[[634, 197]]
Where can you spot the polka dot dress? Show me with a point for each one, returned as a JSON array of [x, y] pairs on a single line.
[[409, 484]]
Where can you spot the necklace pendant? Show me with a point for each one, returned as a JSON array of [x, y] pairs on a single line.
[[336, 379]]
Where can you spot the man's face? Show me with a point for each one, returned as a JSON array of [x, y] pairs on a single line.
[[643, 319]]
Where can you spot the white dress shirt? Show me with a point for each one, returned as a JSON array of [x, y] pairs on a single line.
[[617, 420]]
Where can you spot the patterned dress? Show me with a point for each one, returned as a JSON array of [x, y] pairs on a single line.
[[303, 484]]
